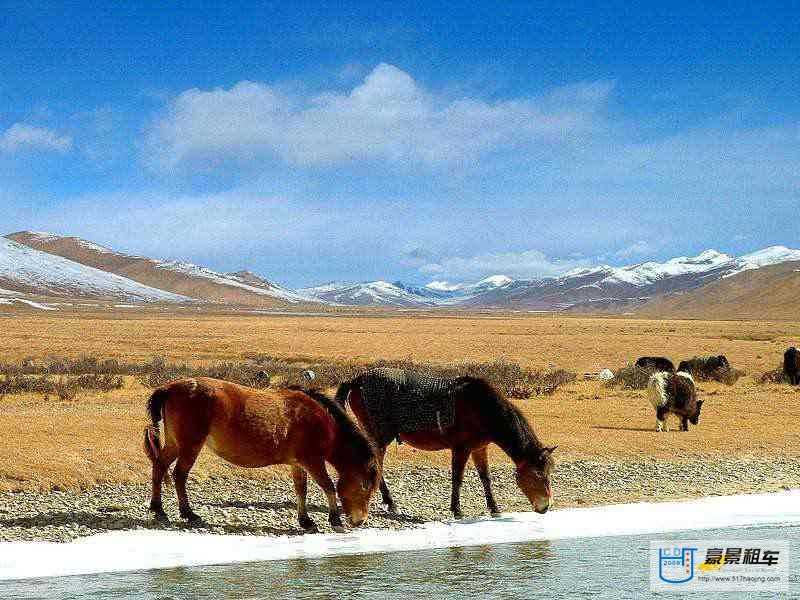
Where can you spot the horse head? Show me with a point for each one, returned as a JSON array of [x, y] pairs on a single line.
[[533, 477], [355, 488]]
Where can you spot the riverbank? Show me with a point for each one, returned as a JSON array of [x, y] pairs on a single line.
[[117, 552], [257, 507]]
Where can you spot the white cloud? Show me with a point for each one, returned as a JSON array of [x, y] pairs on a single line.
[[388, 116], [21, 136], [529, 263], [636, 249], [443, 286]]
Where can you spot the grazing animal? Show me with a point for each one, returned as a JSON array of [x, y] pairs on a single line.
[[705, 367], [655, 363], [674, 393], [791, 365], [256, 428], [465, 414]]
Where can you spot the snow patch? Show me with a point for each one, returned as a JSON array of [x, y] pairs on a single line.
[[54, 275], [194, 270], [151, 549], [763, 258], [494, 281], [33, 304]]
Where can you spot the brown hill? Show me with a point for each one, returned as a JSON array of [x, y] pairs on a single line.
[[181, 278], [768, 293]]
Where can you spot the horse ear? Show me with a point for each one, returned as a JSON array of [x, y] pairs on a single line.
[[549, 450]]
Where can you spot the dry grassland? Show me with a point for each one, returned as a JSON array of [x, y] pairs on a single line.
[[97, 437]]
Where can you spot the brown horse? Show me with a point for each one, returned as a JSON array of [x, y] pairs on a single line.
[[481, 416], [256, 428]]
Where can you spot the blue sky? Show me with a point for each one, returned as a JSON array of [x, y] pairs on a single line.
[[452, 141]]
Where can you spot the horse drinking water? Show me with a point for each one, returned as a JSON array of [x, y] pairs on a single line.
[[256, 428], [464, 414]]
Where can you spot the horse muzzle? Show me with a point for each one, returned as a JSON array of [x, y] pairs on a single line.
[[542, 505], [357, 518]]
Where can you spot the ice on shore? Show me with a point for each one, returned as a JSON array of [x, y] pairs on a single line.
[[150, 549]]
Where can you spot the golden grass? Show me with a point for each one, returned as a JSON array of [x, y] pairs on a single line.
[[97, 438]]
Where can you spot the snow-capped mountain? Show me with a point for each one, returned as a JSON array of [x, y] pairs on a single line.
[[382, 293], [371, 293], [52, 265], [602, 287], [29, 271], [606, 287], [182, 278]]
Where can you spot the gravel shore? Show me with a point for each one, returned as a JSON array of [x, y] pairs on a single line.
[[255, 507]]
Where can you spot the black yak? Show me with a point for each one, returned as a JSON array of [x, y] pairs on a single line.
[[791, 365], [655, 363]]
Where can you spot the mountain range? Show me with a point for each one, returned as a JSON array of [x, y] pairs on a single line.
[[762, 284]]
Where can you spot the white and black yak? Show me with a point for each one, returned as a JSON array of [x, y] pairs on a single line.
[[674, 393]]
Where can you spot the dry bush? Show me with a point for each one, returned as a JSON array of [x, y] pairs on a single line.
[[698, 368], [630, 377], [728, 376], [88, 372], [158, 372], [74, 375], [774, 376]]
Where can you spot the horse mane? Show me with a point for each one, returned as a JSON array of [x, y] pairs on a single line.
[[352, 437], [506, 423]]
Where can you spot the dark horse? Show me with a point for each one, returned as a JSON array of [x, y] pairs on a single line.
[[481, 416], [256, 428]]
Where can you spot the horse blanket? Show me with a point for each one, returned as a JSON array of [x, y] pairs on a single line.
[[404, 401]]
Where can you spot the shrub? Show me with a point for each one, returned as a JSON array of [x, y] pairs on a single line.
[[700, 369], [630, 377], [92, 373], [774, 376]]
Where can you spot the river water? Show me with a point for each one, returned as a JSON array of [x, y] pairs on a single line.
[[606, 567]]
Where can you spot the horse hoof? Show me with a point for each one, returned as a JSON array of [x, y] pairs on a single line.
[[339, 529], [457, 514], [392, 509], [192, 517], [161, 517], [307, 524], [495, 514]]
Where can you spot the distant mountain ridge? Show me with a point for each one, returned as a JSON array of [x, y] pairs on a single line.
[[604, 288], [48, 264], [183, 278], [25, 270]]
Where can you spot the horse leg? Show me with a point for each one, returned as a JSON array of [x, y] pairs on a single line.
[[166, 457], [385, 493], [684, 424], [320, 476], [186, 459], [458, 460], [300, 478], [480, 457]]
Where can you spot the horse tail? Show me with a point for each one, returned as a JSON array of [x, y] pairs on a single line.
[[343, 393], [152, 434]]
